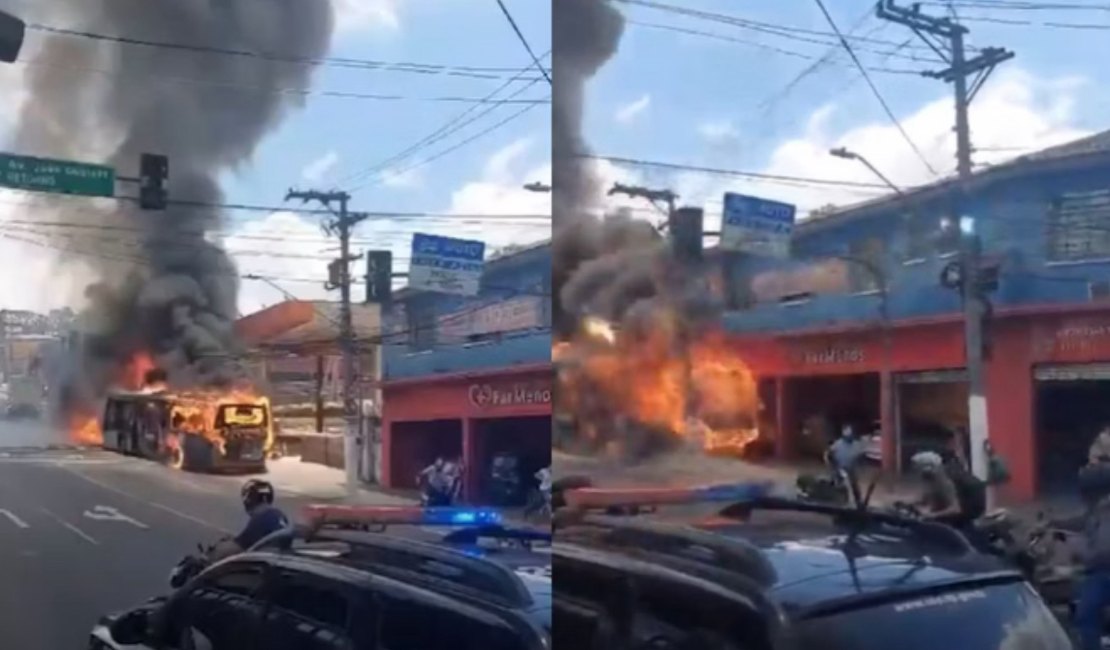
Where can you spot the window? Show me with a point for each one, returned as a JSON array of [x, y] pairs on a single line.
[[866, 262], [413, 625], [241, 581], [221, 609], [310, 600], [1078, 227], [919, 236]]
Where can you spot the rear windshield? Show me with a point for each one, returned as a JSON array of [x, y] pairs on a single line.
[[243, 415], [997, 617]]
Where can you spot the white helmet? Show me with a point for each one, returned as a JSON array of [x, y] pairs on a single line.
[[927, 461]]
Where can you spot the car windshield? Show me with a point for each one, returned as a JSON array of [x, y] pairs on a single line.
[[243, 415], [999, 617]]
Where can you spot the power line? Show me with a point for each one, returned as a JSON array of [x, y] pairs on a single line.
[[454, 125], [798, 180], [339, 62], [874, 88], [523, 41], [289, 92], [763, 46], [462, 143]]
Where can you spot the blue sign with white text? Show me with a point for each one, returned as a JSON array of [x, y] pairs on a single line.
[[446, 265], [753, 225]]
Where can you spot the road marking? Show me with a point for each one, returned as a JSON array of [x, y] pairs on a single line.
[[108, 513], [15, 520], [173, 511], [77, 531]]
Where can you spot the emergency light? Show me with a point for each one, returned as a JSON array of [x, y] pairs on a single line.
[[399, 515], [622, 497]]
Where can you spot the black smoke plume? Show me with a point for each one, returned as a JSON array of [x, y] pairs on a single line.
[[161, 284], [603, 263]]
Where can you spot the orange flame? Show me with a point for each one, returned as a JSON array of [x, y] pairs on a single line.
[[85, 430], [704, 391]]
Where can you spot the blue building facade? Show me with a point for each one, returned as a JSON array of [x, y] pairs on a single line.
[[507, 324], [856, 327], [470, 377], [1044, 218]]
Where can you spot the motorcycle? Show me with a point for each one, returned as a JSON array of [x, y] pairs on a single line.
[[505, 480], [822, 488], [190, 566]]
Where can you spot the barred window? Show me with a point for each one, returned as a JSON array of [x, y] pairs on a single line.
[[1079, 227], [868, 255], [920, 230]]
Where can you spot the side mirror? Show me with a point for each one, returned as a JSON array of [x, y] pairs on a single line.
[[131, 628]]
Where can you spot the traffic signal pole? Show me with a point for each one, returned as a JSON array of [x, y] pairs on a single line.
[[342, 226], [948, 43]]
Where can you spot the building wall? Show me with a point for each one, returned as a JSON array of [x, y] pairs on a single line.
[[507, 324], [1012, 218]]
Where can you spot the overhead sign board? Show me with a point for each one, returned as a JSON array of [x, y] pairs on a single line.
[[757, 226], [446, 265], [56, 176]]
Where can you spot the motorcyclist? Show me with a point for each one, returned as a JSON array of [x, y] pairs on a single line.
[[843, 457], [939, 501], [264, 518]]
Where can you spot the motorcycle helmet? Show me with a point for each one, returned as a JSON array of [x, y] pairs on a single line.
[[927, 462], [256, 492]]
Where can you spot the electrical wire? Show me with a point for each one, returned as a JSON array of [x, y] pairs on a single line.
[[454, 125], [289, 92], [340, 62], [484, 132], [874, 88], [523, 40]]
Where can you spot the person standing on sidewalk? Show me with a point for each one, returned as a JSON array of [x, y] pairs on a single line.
[[843, 457], [1094, 589]]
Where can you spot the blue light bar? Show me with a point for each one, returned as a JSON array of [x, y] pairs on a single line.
[[732, 492], [460, 517]]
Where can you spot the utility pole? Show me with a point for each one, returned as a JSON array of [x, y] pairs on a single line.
[[948, 43], [342, 225]]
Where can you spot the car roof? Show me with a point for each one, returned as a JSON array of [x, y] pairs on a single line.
[[807, 557]]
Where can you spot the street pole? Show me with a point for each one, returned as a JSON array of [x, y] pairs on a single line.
[[949, 36], [342, 225]]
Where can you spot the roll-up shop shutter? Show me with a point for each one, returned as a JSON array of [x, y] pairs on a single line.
[[932, 377], [1073, 372]]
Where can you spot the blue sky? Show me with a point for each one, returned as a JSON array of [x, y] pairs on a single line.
[[330, 142], [718, 103]]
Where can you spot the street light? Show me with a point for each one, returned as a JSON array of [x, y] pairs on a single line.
[[842, 152]]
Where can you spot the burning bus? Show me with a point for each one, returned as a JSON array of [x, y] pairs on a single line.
[[196, 431]]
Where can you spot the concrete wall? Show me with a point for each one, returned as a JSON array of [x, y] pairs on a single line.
[[1011, 217]]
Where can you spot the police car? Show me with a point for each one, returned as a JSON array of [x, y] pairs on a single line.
[[770, 572], [460, 579]]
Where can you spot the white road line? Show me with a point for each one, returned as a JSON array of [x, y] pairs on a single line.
[[15, 520], [80, 533], [173, 511], [108, 513]]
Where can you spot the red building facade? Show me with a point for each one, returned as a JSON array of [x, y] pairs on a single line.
[[1048, 377], [474, 415]]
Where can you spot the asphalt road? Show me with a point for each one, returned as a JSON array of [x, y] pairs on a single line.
[[85, 532]]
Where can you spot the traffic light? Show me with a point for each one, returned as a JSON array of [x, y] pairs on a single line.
[[379, 277], [154, 172], [686, 234]]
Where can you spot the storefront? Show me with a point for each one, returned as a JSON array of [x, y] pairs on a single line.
[[473, 416], [1048, 389]]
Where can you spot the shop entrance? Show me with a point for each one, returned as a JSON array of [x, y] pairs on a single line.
[[1071, 402], [825, 404], [415, 445], [525, 440], [932, 410]]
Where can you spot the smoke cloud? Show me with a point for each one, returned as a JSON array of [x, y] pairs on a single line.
[[162, 286]]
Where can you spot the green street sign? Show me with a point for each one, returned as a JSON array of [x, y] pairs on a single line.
[[56, 176]]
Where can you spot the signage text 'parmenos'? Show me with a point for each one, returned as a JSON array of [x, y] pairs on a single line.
[[490, 396]]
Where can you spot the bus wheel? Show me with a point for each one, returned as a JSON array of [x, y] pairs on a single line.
[[177, 457]]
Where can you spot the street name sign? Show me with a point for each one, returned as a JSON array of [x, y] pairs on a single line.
[[56, 176], [446, 265], [757, 226]]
